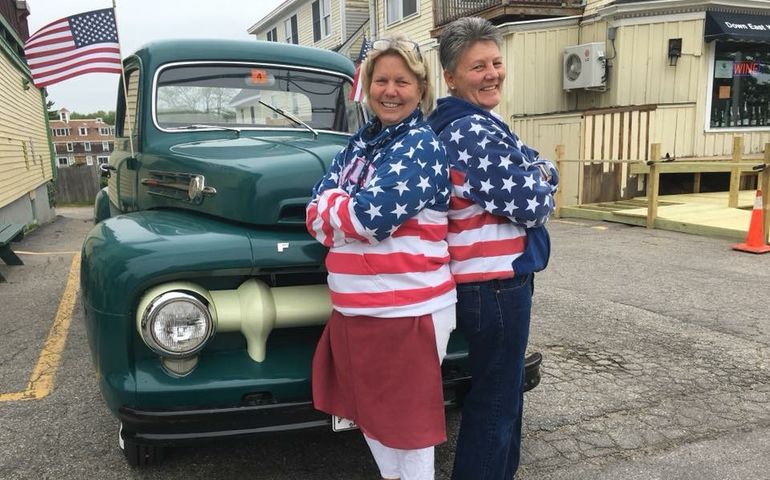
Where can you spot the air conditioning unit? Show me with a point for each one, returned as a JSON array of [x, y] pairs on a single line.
[[584, 66]]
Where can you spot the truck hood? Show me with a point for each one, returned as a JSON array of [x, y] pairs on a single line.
[[260, 180]]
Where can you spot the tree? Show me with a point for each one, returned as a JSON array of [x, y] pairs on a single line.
[[107, 117]]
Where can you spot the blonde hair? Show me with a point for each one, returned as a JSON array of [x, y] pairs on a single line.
[[406, 49]]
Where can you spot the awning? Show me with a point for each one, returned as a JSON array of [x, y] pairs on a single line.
[[738, 27]]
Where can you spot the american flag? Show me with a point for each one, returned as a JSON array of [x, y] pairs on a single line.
[[75, 45], [357, 94]]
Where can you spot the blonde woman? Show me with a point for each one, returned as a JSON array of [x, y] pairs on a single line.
[[382, 211]]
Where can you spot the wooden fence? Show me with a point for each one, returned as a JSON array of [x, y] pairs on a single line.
[[77, 184]]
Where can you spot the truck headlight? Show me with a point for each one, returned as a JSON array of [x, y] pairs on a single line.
[[176, 324]]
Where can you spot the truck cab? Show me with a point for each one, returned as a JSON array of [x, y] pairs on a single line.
[[204, 295]]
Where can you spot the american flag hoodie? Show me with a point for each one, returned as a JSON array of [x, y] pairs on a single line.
[[502, 195], [382, 211]]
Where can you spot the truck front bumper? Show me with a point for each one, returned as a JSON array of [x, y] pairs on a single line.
[[181, 427]]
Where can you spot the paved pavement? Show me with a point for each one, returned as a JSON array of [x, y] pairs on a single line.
[[656, 367]]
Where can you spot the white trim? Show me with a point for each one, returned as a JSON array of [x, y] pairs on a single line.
[[647, 8], [672, 17], [343, 24], [528, 25], [711, 47]]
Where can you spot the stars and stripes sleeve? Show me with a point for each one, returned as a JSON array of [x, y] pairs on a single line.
[[314, 223], [502, 175], [412, 176]]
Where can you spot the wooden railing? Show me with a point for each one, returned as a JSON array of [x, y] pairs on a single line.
[[653, 166], [444, 11], [617, 133]]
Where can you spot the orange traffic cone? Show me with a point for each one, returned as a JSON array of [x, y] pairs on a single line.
[[755, 243]]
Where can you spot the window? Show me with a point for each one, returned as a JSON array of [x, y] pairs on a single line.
[[290, 26], [102, 160], [322, 22], [105, 146], [89, 160], [87, 146], [63, 161], [70, 147], [272, 35], [740, 95], [61, 132], [230, 95], [83, 131], [104, 130], [400, 9]]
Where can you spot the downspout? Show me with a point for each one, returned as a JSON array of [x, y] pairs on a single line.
[[343, 27], [372, 19], [51, 152]]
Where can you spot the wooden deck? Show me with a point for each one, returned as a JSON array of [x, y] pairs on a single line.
[[696, 213]]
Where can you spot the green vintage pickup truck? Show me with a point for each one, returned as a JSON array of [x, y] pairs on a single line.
[[204, 295]]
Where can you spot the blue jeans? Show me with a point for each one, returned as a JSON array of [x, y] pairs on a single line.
[[494, 316]]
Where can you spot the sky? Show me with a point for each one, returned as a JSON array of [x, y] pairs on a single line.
[[141, 21]]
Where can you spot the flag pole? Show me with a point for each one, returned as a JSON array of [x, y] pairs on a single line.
[[123, 81]]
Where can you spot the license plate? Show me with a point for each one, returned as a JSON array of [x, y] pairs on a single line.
[[340, 424]]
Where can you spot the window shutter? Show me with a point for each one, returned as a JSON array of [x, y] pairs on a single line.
[[316, 21], [294, 34]]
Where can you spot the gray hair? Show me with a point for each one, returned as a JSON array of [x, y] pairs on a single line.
[[460, 35]]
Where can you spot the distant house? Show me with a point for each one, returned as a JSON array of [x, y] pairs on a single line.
[[81, 142], [337, 25], [25, 153]]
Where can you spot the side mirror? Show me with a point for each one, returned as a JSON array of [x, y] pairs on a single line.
[[105, 170]]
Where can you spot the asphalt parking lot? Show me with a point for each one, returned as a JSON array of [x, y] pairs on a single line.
[[656, 366]]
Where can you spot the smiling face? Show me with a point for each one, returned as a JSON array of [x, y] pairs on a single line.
[[395, 90], [479, 75]]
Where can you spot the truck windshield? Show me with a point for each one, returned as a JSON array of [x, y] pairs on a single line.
[[240, 96]]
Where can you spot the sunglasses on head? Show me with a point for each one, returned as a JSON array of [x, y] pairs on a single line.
[[407, 45]]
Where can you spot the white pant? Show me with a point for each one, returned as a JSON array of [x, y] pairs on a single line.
[[415, 464], [404, 464]]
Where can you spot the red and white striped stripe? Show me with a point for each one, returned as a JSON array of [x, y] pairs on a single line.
[[406, 274], [482, 246]]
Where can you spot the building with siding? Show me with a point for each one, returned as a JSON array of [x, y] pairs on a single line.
[[675, 74], [688, 75], [337, 25], [81, 142], [26, 165]]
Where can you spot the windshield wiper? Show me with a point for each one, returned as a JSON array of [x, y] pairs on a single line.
[[291, 117], [212, 127]]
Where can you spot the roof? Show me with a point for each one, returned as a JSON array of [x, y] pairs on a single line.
[[74, 125], [276, 12], [165, 51]]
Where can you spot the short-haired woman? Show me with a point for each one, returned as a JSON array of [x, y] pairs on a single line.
[[502, 195], [382, 211]]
